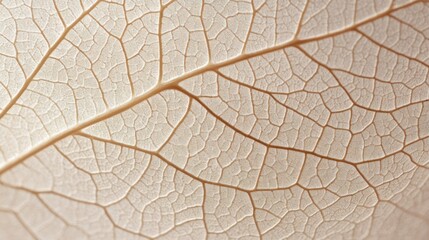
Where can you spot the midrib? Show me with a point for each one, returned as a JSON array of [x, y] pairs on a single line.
[[161, 86]]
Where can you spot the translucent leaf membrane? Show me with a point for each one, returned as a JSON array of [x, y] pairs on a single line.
[[209, 119]]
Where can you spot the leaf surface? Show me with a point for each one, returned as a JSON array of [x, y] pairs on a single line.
[[214, 119]]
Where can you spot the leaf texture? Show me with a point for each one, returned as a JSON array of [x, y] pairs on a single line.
[[204, 119]]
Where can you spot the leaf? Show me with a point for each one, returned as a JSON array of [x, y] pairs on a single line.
[[214, 119]]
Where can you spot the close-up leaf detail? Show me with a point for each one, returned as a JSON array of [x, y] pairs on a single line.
[[214, 119]]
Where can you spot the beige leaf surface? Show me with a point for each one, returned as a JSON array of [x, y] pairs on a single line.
[[214, 119]]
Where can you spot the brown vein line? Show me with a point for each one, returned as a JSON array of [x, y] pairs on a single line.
[[349, 95], [45, 58], [307, 152], [37, 194], [168, 85], [162, 158]]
